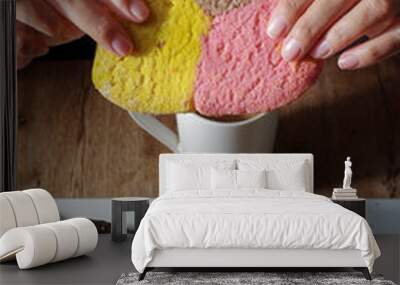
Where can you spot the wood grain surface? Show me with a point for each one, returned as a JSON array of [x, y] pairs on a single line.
[[74, 143]]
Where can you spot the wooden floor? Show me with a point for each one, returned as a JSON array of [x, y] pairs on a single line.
[[76, 144]]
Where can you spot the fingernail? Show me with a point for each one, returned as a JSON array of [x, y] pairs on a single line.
[[121, 46], [276, 27], [139, 10], [291, 50], [322, 51], [348, 61]]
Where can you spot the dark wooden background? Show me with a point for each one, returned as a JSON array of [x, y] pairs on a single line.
[[74, 143]]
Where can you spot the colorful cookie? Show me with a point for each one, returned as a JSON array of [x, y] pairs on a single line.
[[159, 78], [212, 56]]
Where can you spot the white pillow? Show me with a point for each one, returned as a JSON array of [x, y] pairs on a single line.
[[251, 178], [290, 175], [181, 178], [193, 174], [223, 179]]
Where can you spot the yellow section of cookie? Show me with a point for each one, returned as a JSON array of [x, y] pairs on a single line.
[[159, 77]]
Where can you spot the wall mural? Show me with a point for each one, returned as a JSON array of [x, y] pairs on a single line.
[[74, 143]]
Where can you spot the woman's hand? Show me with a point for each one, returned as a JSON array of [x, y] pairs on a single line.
[[45, 23], [323, 28]]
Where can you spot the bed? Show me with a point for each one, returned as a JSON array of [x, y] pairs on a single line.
[[247, 211]]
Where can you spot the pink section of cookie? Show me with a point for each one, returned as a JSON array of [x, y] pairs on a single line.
[[241, 70]]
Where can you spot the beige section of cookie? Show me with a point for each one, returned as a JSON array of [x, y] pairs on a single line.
[[215, 7]]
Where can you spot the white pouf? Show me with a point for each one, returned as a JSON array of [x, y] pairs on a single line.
[[26, 208], [23, 208], [33, 246], [46, 207], [7, 218], [87, 233], [67, 238], [37, 245]]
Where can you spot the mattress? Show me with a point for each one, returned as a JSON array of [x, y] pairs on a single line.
[[251, 219]]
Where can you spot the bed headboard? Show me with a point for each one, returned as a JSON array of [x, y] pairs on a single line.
[[308, 158]]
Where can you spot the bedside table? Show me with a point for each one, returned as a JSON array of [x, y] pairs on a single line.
[[355, 205], [124, 209]]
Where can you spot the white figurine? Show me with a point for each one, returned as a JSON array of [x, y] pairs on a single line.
[[348, 173]]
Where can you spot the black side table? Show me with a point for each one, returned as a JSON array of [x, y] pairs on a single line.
[[355, 205], [122, 212]]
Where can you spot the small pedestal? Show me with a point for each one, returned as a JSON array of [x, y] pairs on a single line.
[[126, 215]]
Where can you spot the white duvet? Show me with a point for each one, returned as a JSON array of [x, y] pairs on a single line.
[[250, 219]]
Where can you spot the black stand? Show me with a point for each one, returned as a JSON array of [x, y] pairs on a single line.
[[121, 210], [143, 274], [8, 101], [364, 271]]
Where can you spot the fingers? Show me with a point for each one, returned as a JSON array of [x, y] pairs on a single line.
[[59, 19], [23, 62], [134, 10], [310, 26], [42, 17], [29, 44], [379, 28], [372, 51], [352, 26], [284, 16], [95, 20]]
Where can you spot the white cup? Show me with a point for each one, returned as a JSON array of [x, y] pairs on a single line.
[[197, 134]]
